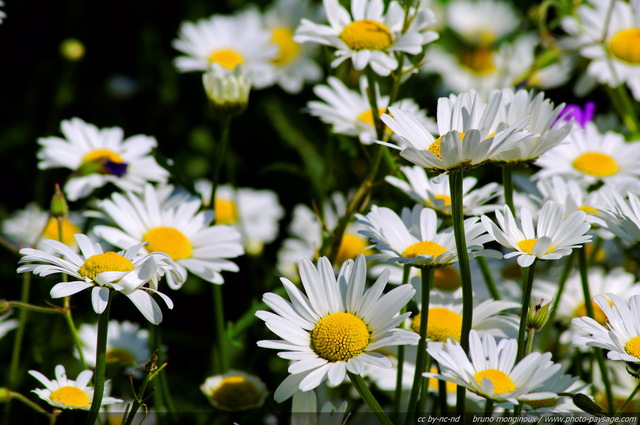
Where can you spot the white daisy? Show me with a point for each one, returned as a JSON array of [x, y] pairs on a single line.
[[126, 272], [368, 35], [255, 213], [65, 393], [414, 237], [177, 229], [337, 326], [591, 156], [562, 385], [481, 22], [622, 216], [607, 32], [294, 65], [437, 195], [554, 237], [100, 156], [229, 41], [349, 111], [490, 370], [622, 334], [235, 391]]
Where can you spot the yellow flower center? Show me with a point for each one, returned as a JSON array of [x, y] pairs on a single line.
[[433, 383], [446, 200], [442, 324], [625, 45], [598, 314], [102, 154], [71, 396], [350, 247], [51, 231], [235, 393], [502, 383], [539, 404], [367, 116], [528, 244], [478, 60], [446, 279], [227, 58], [423, 248], [289, 49], [434, 148], [120, 355], [596, 164], [633, 347], [339, 337], [107, 262], [366, 35], [170, 241], [226, 211], [589, 210]]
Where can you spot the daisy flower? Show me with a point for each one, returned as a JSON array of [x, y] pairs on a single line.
[[255, 213], [229, 41], [335, 326], [607, 33], [622, 334], [554, 237], [591, 156], [349, 111], [235, 391], [622, 216], [437, 195], [368, 35], [174, 228], [294, 65], [413, 238], [65, 393], [562, 385], [490, 370], [481, 22], [100, 156], [127, 344]]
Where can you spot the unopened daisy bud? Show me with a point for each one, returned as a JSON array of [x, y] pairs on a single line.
[[5, 395], [59, 207], [227, 91], [72, 49], [538, 315], [235, 391]]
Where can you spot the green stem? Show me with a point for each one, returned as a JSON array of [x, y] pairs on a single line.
[[532, 333], [162, 396], [442, 393], [24, 400], [30, 307], [368, 398], [72, 328], [101, 363], [22, 322], [421, 357], [628, 400], [139, 399], [566, 271], [488, 278], [488, 407], [223, 142], [397, 398], [221, 334], [373, 103], [527, 286], [507, 184]]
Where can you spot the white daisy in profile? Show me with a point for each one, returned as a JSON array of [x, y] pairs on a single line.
[[437, 195], [607, 32], [230, 41], [368, 35], [134, 275], [622, 334], [180, 230], [100, 156], [554, 236], [490, 370], [592, 156], [255, 213], [294, 65], [65, 393], [235, 391], [481, 22], [127, 344], [349, 111], [335, 326], [414, 238], [622, 215], [564, 386]]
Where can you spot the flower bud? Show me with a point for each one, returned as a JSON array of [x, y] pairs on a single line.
[[538, 315], [5, 395], [227, 91], [59, 207]]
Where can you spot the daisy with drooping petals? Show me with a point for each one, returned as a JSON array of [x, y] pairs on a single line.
[[174, 228], [335, 326], [554, 237], [65, 393], [622, 216], [125, 271], [622, 334], [368, 35], [230, 41], [100, 156], [235, 391]]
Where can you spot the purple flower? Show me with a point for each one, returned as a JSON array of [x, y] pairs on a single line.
[[578, 114]]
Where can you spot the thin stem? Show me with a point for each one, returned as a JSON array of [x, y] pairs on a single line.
[[223, 141], [24, 400], [34, 308], [72, 328], [373, 102], [221, 334], [139, 399], [488, 278], [566, 271], [531, 334], [527, 286], [628, 400], [442, 393], [162, 396], [101, 363], [397, 398], [368, 398], [22, 322], [488, 407], [507, 184]]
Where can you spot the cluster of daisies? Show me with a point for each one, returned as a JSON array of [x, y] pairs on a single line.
[[460, 292]]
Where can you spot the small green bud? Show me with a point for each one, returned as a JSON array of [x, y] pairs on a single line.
[[228, 91], [538, 315], [5, 395], [59, 207]]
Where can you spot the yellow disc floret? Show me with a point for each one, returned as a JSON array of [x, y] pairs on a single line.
[[226, 211], [107, 262], [350, 247], [442, 324], [478, 60], [632, 347], [446, 279], [52, 231], [367, 116], [339, 337], [102, 154], [170, 241], [366, 35], [434, 148], [598, 314], [528, 244], [596, 164], [589, 210], [502, 383], [235, 393], [71, 396], [424, 248], [625, 45], [227, 58], [289, 49]]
